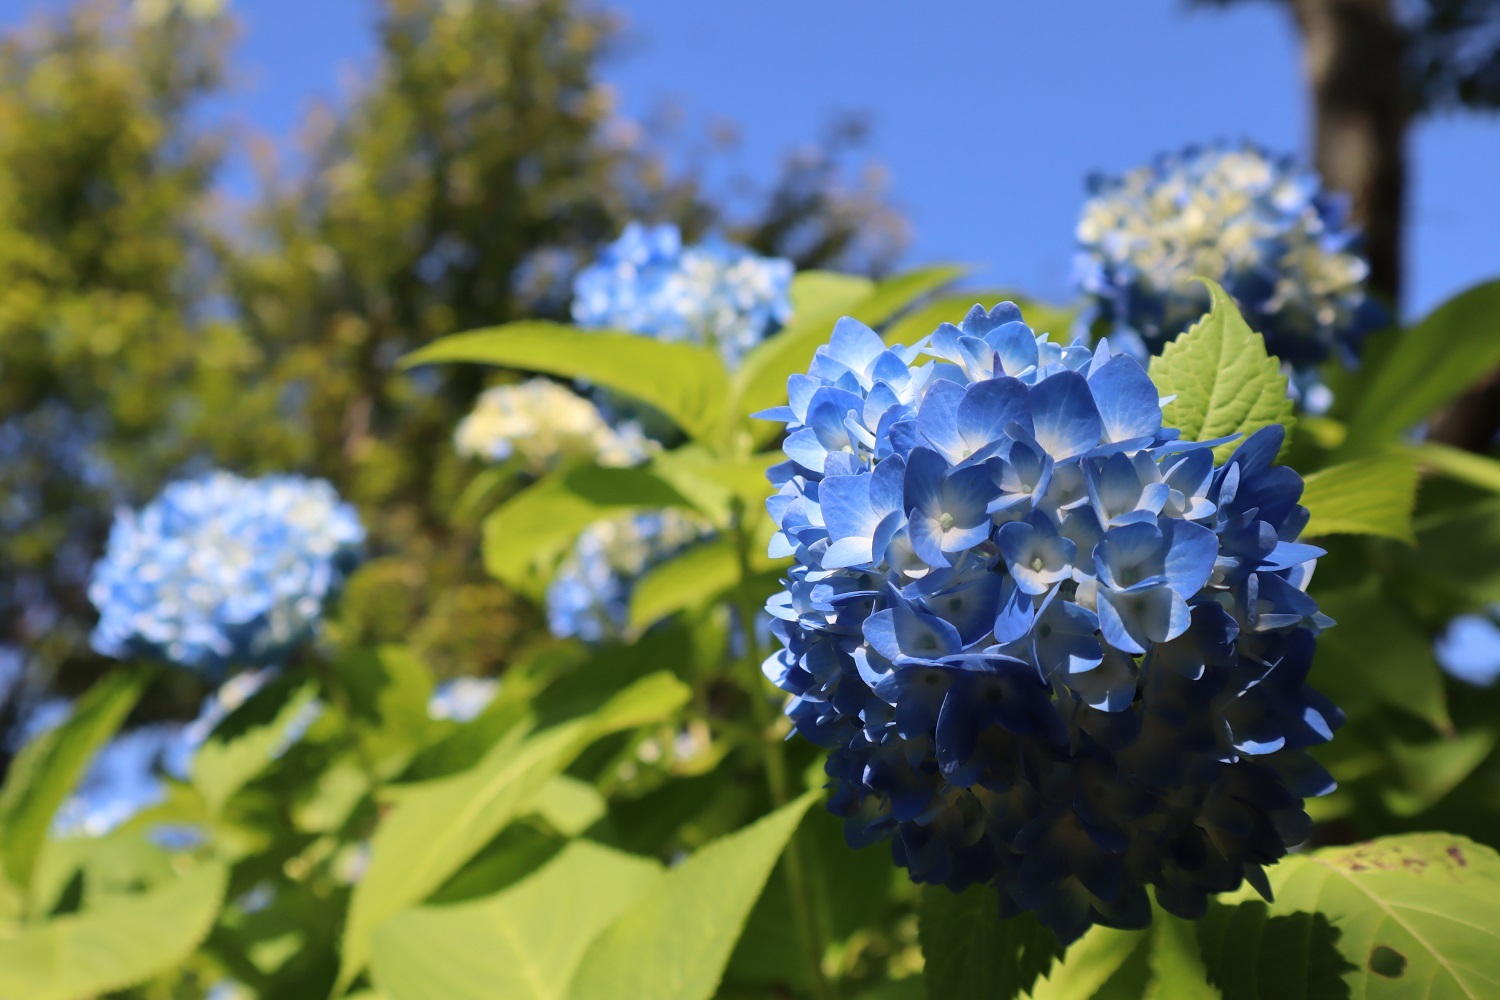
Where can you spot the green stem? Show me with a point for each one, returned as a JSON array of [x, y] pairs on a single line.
[[773, 758]]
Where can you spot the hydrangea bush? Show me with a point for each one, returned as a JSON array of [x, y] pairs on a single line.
[[220, 571], [1261, 226], [1053, 646]]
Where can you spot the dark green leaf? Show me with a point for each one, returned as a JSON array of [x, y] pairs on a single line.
[[1431, 364], [973, 954]]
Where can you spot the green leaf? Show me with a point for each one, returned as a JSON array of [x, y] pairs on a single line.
[[115, 943], [1224, 380], [1462, 466], [817, 293], [525, 535], [1458, 551], [433, 828], [1374, 495], [696, 576], [674, 943], [971, 953], [226, 762], [1427, 771], [1177, 971], [570, 806], [1088, 964], [760, 382], [684, 381], [1411, 915], [1430, 365], [524, 943], [47, 769], [1377, 653]]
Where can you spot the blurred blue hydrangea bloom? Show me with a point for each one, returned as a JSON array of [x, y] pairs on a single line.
[[221, 572], [1469, 648], [713, 293], [1053, 647], [1261, 226], [589, 596]]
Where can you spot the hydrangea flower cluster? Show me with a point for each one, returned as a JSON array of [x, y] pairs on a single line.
[[543, 425], [714, 293], [1261, 226], [1469, 647], [1054, 647], [589, 596], [220, 571]]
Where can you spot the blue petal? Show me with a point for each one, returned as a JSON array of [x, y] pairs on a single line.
[[1191, 551], [1066, 422], [1128, 402], [987, 409]]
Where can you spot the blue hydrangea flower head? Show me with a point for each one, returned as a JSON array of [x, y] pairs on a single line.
[[1052, 647], [589, 596], [713, 293], [220, 571], [1469, 647], [1261, 226]]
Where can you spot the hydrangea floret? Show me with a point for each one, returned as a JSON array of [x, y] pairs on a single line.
[[1053, 647], [1261, 226], [544, 425], [589, 596], [713, 293], [220, 571]]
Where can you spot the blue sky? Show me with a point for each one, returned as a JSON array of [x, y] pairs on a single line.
[[988, 114]]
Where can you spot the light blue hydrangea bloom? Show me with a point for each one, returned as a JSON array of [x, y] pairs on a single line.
[[462, 698], [221, 572], [589, 596], [1261, 226], [1469, 648], [1052, 646], [713, 293]]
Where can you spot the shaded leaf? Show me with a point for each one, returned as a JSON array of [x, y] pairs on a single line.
[[1378, 654], [1431, 364], [1224, 380], [1177, 971], [1409, 915], [971, 952]]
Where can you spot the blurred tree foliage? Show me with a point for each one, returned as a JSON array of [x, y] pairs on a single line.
[[144, 333]]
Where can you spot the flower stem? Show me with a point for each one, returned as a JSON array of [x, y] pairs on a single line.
[[773, 758]]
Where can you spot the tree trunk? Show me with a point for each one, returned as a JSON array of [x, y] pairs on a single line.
[[1354, 52]]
